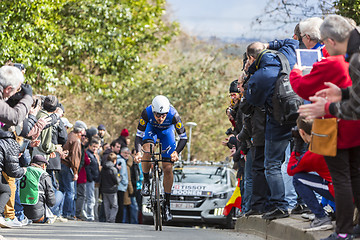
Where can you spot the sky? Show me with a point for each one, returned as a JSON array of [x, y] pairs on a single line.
[[221, 18]]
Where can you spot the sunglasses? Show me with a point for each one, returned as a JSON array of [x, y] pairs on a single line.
[[159, 115]]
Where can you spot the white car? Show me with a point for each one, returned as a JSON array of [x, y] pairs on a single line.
[[199, 195]]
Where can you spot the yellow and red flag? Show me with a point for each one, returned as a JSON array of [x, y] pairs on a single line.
[[234, 201]]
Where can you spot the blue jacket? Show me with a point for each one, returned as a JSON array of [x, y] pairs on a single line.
[[262, 83], [123, 185]]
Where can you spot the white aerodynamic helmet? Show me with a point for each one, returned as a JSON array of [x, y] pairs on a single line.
[[160, 104]]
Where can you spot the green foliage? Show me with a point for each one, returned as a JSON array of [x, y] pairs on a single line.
[[348, 8], [87, 45]]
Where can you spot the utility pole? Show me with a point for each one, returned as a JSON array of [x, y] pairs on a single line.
[[191, 125]]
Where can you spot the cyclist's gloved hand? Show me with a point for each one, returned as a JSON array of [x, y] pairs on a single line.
[[138, 157], [174, 156]]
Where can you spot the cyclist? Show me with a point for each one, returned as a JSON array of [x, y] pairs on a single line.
[[159, 120]]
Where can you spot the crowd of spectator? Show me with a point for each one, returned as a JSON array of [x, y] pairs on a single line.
[[279, 175], [53, 170]]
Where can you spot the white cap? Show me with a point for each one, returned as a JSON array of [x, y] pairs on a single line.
[[66, 122]]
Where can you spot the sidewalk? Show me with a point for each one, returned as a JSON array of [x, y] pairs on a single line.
[[290, 228]]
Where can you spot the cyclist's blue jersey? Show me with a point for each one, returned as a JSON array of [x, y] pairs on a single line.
[[168, 121], [149, 130]]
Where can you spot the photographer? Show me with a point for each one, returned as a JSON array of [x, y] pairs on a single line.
[[11, 85]]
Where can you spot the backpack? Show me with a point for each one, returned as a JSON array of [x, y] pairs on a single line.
[[285, 101]]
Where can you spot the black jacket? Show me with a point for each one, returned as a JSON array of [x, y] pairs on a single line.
[[92, 170], [105, 155], [59, 136], [109, 178], [9, 155], [46, 197]]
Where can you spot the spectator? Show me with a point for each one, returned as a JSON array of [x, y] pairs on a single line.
[[11, 80], [81, 181], [10, 169], [265, 68], [93, 176], [310, 34], [101, 133], [46, 146], [260, 189], [123, 185], [137, 177], [130, 204], [301, 165], [115, 147], [335, 32], [124, 139], [37, 193], [66, 123], [70, 167], [109, 180], [297, 36]]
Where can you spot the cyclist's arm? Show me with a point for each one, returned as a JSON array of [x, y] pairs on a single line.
[[180, 129], [141, 131]]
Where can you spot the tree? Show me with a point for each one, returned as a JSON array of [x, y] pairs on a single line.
[[283, 15], [349, 8], [88, 45]]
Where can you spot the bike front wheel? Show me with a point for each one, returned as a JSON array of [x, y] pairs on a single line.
[[158, 215]]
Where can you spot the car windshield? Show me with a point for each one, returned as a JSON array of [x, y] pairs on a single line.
[[208, 175]]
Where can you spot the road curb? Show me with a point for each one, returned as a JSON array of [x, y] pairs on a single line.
[[290, 228]]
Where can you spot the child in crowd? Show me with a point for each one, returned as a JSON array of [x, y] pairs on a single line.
[[109, 180]]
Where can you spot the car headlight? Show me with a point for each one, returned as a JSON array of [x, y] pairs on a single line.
[[220, 195], [218, 211], [145, 209]]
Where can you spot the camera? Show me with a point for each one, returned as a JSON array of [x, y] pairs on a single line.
[[14, 99], [295, 132], [229, 131]]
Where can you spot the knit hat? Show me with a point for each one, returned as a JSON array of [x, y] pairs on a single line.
[[50, 103], [233, 87], [101, 127], [124, 133], [62, 107], [66, 122], [91, 132], [80, 125], [39, 159]]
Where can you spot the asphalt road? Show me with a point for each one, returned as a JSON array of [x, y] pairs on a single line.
[[100, 231]]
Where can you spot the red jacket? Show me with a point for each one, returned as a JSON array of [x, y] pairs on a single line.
[[82, 172], [310, 162], [331, 69]]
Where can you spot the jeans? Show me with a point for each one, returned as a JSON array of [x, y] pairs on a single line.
[[131, 212], [90, 201], [110, 206], [305, 184], [345, 172], [80, 199], [19, 209], [248, 185], [96, 207], [59, 200], [120, 213], [67, 186], [260, 190], [274, 156], [290, 193]]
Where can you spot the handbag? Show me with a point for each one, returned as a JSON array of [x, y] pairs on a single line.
[[324, 137]]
